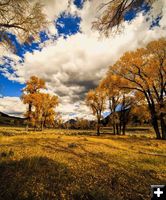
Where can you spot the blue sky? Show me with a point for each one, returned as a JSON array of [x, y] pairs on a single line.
[[67, 25], [79, 3], [9, 88]]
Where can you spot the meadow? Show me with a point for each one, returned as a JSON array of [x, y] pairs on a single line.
[[78, 165]]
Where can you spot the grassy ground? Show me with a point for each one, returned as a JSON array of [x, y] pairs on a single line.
[[70, 165]]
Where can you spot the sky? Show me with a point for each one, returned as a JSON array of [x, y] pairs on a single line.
[[70, 56]]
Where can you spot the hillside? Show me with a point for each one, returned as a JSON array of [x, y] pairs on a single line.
[[6, 119]]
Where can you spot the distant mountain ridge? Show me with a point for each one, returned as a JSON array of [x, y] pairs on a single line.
[[6, 119]]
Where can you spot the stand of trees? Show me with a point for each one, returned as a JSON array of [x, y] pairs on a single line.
[[138, 78], [41, 106], [145, 72]]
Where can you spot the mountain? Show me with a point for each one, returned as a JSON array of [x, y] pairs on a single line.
[[6, 119]]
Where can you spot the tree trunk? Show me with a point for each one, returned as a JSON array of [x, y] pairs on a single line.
[[124, 128], [42, 124], [163, 126], [122, 121], [117, 129], [120, 127], [152, 109], [29, 116], [98, 129], [156, 127], [114, 129], [125, 120]]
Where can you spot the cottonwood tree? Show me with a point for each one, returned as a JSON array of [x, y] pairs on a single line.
[[118, 97], [113, 93], [95, 99], [145, 72], [22, 18], [128, 100], [43, 113], [157, 52], [33, 86], [48, 106], [113, 12]]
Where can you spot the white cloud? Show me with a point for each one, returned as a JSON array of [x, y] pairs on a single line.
[[12, 106], [8, 53], [89, 13], [82, 58], [163, 19], [76, 110]]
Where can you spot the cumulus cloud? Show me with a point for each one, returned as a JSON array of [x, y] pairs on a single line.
[[12, 106], [75, 110], [80, 61]]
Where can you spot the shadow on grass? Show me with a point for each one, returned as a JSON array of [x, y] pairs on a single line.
[[32, 178], [40, 178]]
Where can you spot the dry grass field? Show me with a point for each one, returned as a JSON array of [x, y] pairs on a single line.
[[77, 165]]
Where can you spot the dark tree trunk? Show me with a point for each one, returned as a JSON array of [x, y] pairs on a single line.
[[114, 129], [117, 129], [153, 113], [120, 127], [98, 129], [156, 127], [29, 117], [124, 128], [42, 125], [163, 126], [126, 115], [123, 121], [98, 126]]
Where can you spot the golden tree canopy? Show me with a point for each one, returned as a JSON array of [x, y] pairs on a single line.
[[95, 99], [22, 18], [34, 85], [41, 106], [144, 69]]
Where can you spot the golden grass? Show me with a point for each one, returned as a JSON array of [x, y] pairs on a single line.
[[69, 164]]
